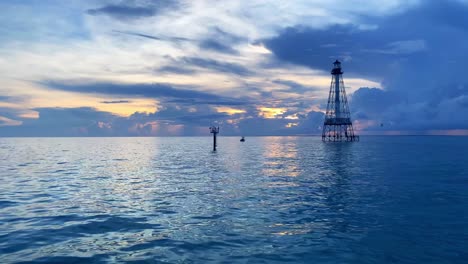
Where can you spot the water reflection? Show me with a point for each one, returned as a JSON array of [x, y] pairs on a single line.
[[172, 199], [321, 198], [280, 157]]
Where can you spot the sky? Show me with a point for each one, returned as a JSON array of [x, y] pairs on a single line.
[[256, 67]]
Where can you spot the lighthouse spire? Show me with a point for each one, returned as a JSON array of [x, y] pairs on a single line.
[[337, 125]]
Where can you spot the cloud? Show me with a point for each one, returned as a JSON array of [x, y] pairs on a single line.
[[137, 90], [245, 57], [187, 115], [169, 120], [410, 53], [391, 110], [296, 87], [217, 102], [163, 91], [310, 124], [82, 121], [116, 102], [306, 47], [119, 11], [219, 66], [13, 99], [86, 121], [10, 113], [402, 47], [149, 9], [176, 69], [152, 37], [211, 44], [371, 101], [5, 121], [190, 65], [5, 98], [222, 41]]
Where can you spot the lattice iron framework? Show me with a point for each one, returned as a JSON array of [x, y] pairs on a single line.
[[338, 126]]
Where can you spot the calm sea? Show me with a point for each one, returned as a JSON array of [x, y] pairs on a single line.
[[267, 200]]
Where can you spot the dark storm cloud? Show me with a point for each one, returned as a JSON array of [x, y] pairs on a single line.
[[116, 102], [12, 99], [121, 11], [80, 121], [152, 37], [240, 102], [189, 65], [360, 50], [419, 56], [128, 11], [373, 100], [137, 90], [221, 41], [211, 44], [186, 115], [81, 115], [419, 37], [143, 90], [389, 111], [215, 65], [224, 36], [4, 98], [11, 113], [176, 69], [408, 38], [309, 124], [86, 121], [296, 87], [189, 120]]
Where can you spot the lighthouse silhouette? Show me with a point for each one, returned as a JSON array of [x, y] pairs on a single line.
[[337, 126]]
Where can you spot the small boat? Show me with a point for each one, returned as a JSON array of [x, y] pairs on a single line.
[[242, 139]]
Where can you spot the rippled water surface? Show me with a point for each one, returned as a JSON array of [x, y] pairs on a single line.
[[270, 199]]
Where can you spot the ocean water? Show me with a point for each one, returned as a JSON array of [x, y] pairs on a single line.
[[268, 200]]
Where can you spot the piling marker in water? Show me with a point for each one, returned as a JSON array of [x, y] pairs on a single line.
[[214, 130], [338, 126]]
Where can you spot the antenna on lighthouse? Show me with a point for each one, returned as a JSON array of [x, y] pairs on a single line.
[[337, 125], [214, 130]]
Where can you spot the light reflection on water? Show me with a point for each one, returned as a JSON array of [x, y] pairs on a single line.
[[277, 151], [269, 199]]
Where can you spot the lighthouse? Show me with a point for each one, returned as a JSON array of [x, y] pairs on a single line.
[[337, 126]]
